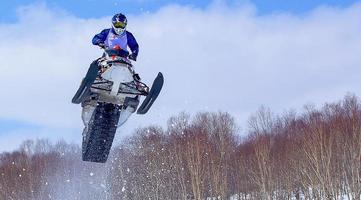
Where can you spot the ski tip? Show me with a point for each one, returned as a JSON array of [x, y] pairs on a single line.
[[160, 74]]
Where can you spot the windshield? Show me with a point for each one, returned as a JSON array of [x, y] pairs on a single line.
[[116, 56], [113, 52]]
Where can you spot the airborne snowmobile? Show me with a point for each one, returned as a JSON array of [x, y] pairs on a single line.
[[113, 86]]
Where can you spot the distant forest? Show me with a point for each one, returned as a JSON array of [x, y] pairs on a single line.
[[310, 155]]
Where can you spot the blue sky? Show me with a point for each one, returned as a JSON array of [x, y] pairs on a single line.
[[100, 8], [290, 51], [7, 125]]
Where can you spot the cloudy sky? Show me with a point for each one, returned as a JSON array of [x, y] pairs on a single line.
[[218, 55]]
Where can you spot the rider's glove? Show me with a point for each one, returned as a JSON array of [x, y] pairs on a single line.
[[132, 57], [101, 44]]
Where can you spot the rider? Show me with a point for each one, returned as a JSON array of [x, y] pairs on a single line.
[[117, 38]]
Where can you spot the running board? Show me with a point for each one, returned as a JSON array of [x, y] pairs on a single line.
[[153, 94]]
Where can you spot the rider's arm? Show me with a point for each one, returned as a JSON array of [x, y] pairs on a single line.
[[100, 37], [133, 45]]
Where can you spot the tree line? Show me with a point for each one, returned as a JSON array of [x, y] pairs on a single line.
[[312, 155]]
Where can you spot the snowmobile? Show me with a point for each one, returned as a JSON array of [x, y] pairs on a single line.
[[112, 87]]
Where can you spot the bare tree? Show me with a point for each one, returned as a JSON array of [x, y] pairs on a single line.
[[312, 155]]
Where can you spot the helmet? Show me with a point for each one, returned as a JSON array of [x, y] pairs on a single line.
[[119, 22]]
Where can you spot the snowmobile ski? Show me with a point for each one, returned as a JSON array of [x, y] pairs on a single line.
[[153, 94], [85, 86]]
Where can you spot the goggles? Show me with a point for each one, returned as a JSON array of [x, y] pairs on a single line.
[[121, 25]]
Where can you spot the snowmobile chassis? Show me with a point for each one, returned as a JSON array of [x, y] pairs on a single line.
[[87, 83], [98, 138]]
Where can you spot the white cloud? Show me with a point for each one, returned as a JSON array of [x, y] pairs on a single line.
[[220, 58], [233, 60]]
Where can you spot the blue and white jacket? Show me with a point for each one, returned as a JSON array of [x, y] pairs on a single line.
[[124, 40]]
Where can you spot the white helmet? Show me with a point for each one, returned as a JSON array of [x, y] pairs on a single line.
[[119, 22]]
